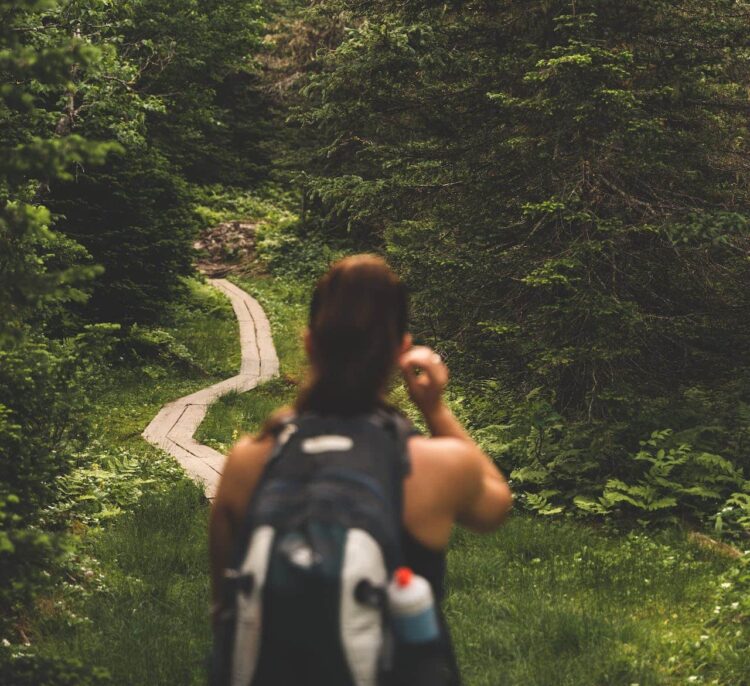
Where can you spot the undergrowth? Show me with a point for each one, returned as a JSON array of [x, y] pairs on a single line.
[[133, 593]]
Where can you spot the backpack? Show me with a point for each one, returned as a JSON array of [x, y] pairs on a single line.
[[304, 601]]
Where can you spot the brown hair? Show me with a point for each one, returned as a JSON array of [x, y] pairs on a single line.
[[358, 318]]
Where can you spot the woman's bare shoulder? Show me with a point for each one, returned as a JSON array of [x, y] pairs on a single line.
[[445, 452], [447, 463], [249, 446], [249, 453]]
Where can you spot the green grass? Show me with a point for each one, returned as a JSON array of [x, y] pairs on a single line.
[[137, 594], [207, 326], [143, 614], [553, 603]]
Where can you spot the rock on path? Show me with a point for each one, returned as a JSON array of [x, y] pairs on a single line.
[[173, 428]]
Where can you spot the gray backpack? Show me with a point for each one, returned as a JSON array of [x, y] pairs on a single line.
[[305, 597]]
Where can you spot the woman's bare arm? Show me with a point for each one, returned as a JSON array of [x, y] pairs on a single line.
[[221, 530], [485, 497], [486, 507]]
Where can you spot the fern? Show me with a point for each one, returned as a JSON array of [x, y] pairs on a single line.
[[677, 480]]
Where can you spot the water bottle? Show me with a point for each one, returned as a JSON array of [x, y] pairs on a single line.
[[412, 607]]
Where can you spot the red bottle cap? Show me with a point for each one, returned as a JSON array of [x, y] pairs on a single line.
[[403, 576]]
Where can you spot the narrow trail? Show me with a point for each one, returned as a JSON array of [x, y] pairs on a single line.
[[173, 427]]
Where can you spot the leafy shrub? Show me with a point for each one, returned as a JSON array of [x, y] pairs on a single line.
[[135, 218], [110, 482], [695, 471], [196, 335], [734, 516], [150, 344], [291, 249], [27, 669], [216, 204], [43, 419], [666, 480]]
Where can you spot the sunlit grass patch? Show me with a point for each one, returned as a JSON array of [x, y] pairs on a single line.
[[207, 326], [553, 603]]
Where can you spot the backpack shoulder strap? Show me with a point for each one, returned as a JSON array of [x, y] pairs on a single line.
[[399, 426], [401, 429], [282, 432]]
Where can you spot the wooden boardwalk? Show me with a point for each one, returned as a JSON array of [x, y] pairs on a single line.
[[174, 426]]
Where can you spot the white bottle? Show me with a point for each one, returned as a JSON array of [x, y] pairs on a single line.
[[412, 607]]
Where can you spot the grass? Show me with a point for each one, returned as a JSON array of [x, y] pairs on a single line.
[[137, 593], [143, 613], [555, 603]]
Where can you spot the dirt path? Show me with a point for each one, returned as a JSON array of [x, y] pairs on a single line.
[[173, 428]]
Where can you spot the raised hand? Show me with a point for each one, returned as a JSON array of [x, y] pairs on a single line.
[[426, 376]]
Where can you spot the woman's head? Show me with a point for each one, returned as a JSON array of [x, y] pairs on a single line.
[[357, 327]]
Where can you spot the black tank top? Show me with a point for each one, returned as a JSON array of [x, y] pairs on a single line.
[[426, 562], [432, 664]]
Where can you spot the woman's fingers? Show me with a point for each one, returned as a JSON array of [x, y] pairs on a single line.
[[414, 361], [419, 356], [428, 362]]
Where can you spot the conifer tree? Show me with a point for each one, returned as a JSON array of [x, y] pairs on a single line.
[[565, 187]]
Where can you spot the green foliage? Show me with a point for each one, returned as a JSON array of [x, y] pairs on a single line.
[[159, 345], [134, 216], [37, 389], [39, 269], [671, 479], [599, 469], [108, 112], [174, 86], [734, 516], [43, 419], [198, 58], [42, 381], [32, 670], [562, 188], [290, 249], [109, 482], [270, 204]]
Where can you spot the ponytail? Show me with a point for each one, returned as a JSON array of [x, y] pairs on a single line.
[[358, 318]]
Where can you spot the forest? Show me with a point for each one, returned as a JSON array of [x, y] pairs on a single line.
[[564, 185]]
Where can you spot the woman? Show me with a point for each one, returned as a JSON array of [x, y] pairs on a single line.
[[357, 336]]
